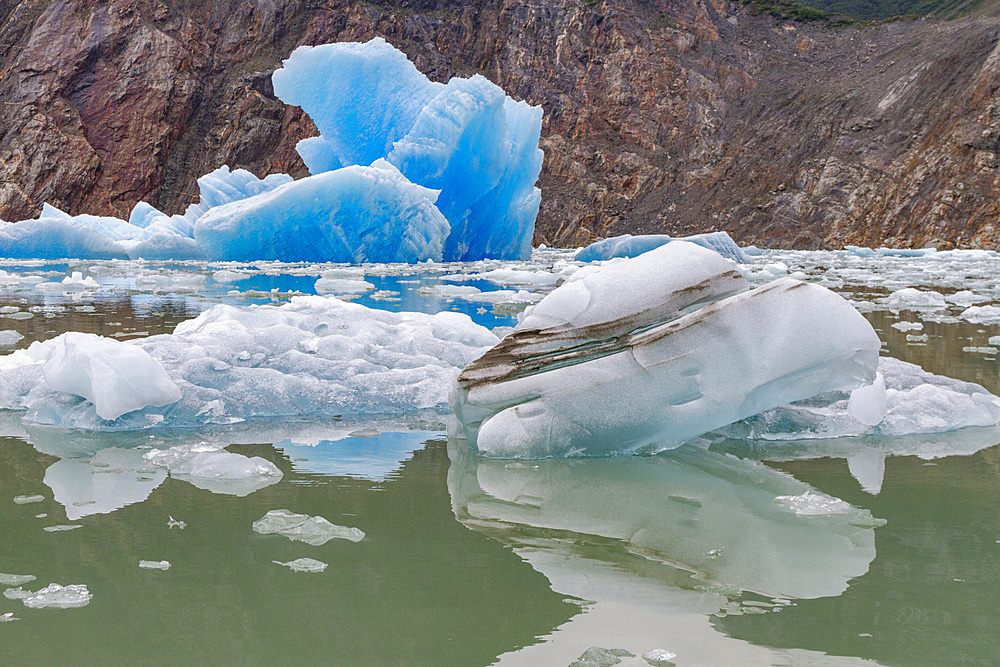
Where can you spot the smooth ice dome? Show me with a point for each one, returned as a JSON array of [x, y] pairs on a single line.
[[600, 367], [465, 138], [313, 357], [627, 245]]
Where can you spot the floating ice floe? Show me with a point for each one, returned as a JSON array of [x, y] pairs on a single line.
[[314, 530], [53, 596], [15, 579], [28, 499], [312, 357], [599, 367], [154, 565], [303, 565], [9, 338], [214, 469], [631, 246]]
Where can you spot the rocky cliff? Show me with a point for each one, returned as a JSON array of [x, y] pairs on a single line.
[[677, 117]]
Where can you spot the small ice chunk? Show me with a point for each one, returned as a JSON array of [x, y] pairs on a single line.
[[982, 314], [994, 340], [116, 377], [907, 326], [154, 565], [965, 298], [659, 656], [25, 500], [216, 470], [15, 579], [171, 522], [314, 530], [303, 565], [8, 617], [61, 528], [814, 504], [979, 349], [9, 337], [59, 597], [16, 593], [868, 404], [595, 656]]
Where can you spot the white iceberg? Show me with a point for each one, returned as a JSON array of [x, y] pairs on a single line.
[[312, 357], [303, 565], [58, 597], [600, 367], [214, 469]]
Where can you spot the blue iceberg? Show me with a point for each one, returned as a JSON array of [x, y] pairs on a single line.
[[627, 245], [465, 138], [405, 169]]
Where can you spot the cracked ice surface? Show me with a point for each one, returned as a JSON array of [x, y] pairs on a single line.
[[314, 356]]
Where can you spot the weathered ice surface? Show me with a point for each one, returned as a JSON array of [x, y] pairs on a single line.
[[675, 118], [314, 530], [315, 356], [602, 366]]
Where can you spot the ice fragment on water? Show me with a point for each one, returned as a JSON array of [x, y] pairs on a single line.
[[595, 656], [15, 579], [154, 565], [659, 656], [8, 617], [303, 565], [25, 500], [216, 470], [314, 530], [907, 326], [868, 404], [9, 337], [632, 246], [171, 522], [58, 597], [814, 504], [62, 528]]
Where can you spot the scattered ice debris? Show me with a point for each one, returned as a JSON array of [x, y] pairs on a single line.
[[58, 597], [314, 356], [982, 314], [314, 530], [980, 349], [27, 500], [16, 593], [586, 370], [303, 565], [154, 565], [9, 337], [632, 246], [910, 298], [907, 326], [596, 656], [15, 579], [465, 138], [659, 656], [814, 504], [41, 516], [8, 617], [917, 402], [214, 469], [172, 522], [61, 528], [343, 281]]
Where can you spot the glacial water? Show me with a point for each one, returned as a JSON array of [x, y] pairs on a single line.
[[722, 552]]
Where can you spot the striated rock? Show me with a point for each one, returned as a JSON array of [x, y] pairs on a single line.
[[661, 117]]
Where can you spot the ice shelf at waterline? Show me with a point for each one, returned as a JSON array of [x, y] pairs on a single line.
[[404, 170], [627, 245], [599, 367]]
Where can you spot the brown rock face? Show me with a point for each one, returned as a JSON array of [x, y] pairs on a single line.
[[676, 117]]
